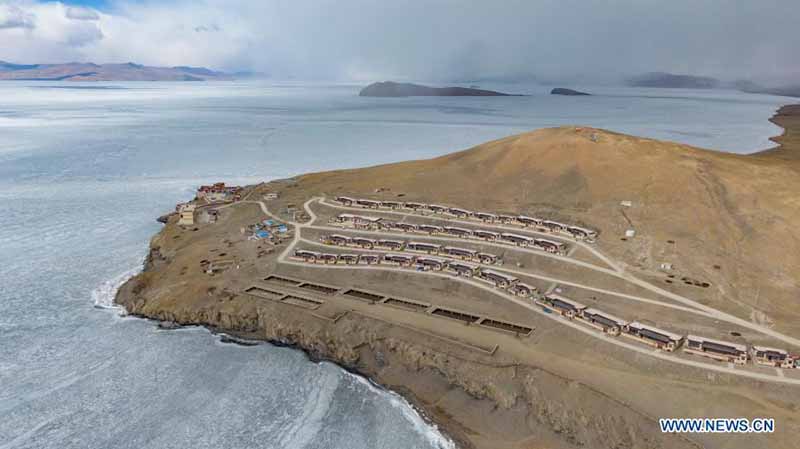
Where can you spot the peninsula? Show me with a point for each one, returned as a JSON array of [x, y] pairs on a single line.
[[555, 289], [392, 89]]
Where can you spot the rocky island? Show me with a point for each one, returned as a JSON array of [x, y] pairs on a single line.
[[500, 290], [392, 89], [565, 91]]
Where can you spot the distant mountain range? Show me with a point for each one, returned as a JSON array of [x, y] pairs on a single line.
[[87, 71], [662, 79]]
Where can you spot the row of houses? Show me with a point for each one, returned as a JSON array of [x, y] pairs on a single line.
[[369, 223], [668, 341], [659, 338], [412, 246], [540, 224], [422, 263]]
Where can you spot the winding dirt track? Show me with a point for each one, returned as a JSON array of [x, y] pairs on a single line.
[[617, 271]]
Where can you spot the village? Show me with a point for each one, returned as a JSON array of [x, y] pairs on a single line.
[[455, 261], [205, 208], [473, 247]]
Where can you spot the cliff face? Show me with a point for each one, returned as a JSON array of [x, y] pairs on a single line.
[[565, 413]]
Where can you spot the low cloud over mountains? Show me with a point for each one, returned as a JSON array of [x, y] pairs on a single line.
[[550, 40]]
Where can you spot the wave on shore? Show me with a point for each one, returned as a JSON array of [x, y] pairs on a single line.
[[103, 296], [428, 430]]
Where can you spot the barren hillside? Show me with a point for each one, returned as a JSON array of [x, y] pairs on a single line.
[[725, 219]]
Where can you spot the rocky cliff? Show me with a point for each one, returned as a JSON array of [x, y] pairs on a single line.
[[449, 385]]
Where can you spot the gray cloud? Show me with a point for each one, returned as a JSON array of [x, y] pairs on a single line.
[[207, 28], [581, 41], [564, 41], [80, 13], [83, 35], [12, 16]]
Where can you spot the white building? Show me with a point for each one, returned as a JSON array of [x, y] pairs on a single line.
[[186, 214]]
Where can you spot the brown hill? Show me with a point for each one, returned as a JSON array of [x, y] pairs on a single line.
[[721, 218], [726, 219]]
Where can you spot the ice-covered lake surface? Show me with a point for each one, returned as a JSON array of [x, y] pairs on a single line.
[[86, 168]]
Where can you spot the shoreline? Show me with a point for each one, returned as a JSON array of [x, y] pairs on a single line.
[[104, 297], [783, 117], [436, 418]]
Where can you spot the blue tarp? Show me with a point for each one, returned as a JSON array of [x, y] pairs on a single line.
[[262, 234], [282, 228], [268, 222]]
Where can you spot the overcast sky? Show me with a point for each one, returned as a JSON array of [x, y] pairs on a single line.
[[549, 40]]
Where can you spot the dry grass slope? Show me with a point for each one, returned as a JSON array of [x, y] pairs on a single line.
[[732, 218]]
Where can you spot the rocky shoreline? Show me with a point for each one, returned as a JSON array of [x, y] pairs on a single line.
[[423, 375], [788, 119], [317, 354], [248, 339], [230, 331]]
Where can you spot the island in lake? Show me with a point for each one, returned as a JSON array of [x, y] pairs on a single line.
[[556, 288], [393, 89], [568, 92]]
